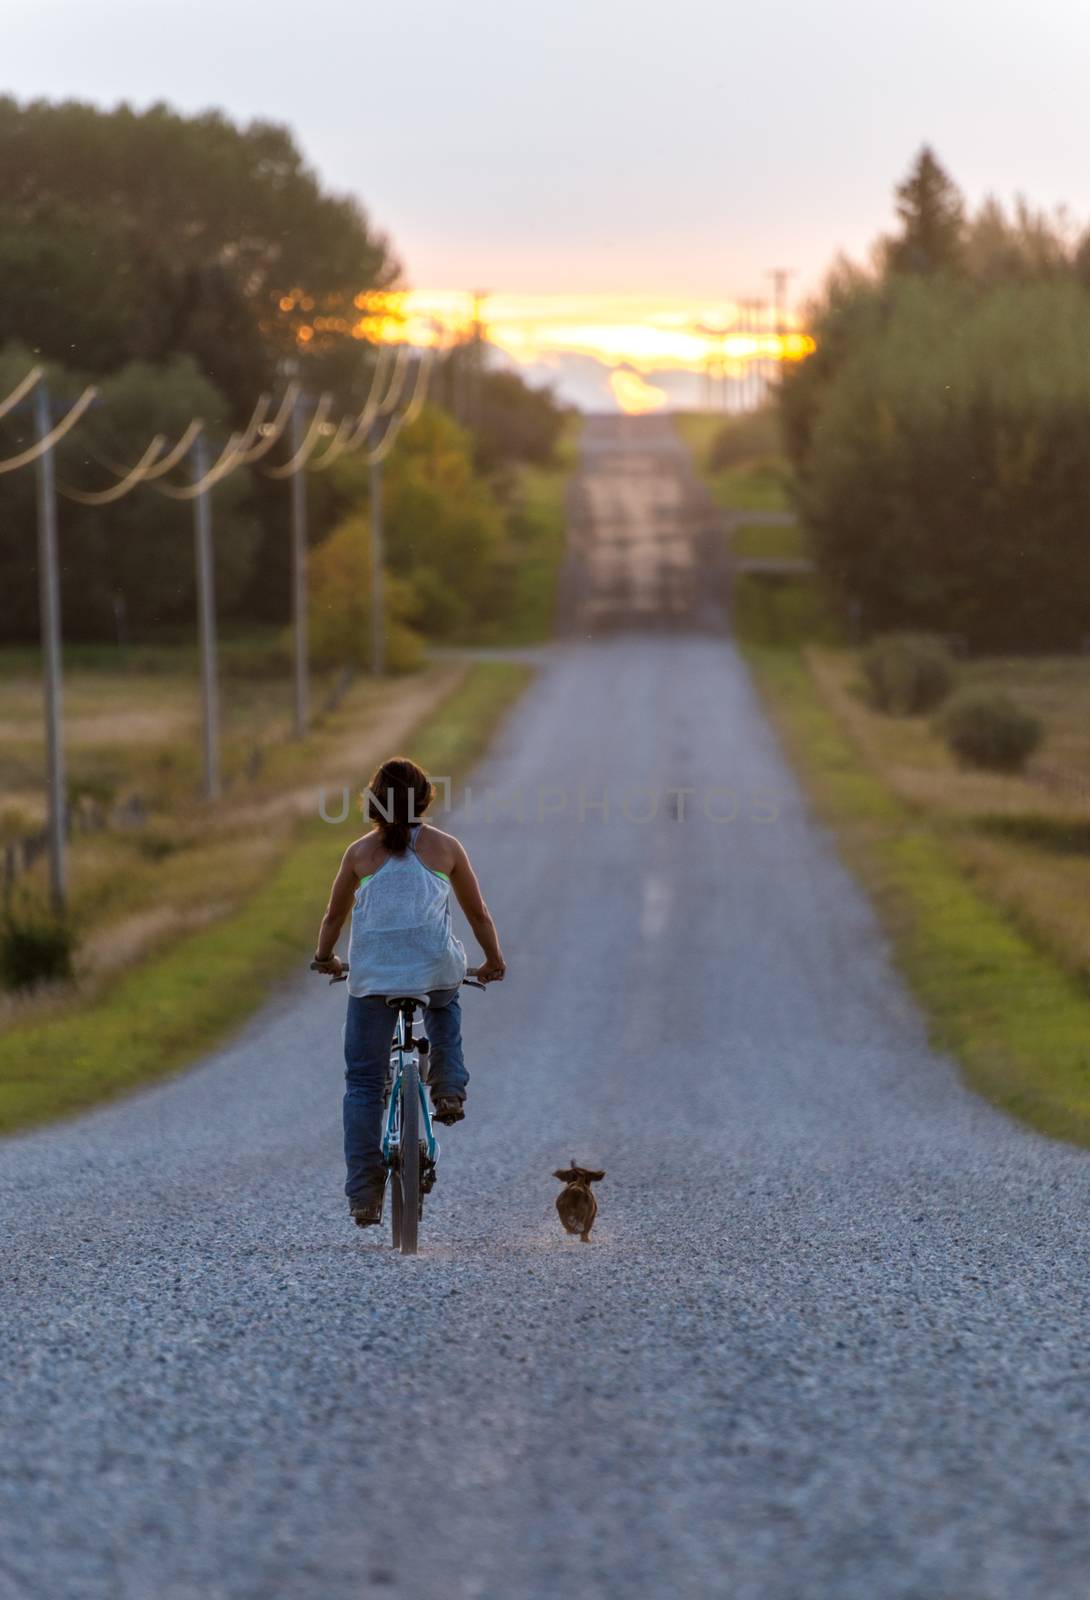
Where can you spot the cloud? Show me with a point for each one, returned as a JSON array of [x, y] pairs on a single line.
[[633, 393]]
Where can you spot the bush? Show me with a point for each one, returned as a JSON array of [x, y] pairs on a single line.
[[782, 609], [449, 559], [340, 604], [985, 728], [514, 422], [906, 673], [35, 947]]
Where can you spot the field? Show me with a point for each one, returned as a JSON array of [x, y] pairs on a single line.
[[182, 938], [157, 860]]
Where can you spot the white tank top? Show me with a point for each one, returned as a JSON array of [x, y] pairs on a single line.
[[402, 939]]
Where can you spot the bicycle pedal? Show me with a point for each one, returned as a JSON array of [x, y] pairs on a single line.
[[448, 1117]]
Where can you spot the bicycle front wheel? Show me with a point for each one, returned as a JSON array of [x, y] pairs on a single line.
[[395, 1209], [407, 1177]]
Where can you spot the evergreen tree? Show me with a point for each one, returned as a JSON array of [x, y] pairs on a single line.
[[932, 215]]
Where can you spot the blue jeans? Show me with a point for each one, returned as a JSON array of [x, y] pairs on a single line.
[[368, 1035]]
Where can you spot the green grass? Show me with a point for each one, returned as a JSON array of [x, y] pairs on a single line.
[[739, 459], [699, 429], [767, 540], [251, 651], [1019, 1025], [751, 486], [788, 610], [544, 525], [1060, 836], [164, 1012]]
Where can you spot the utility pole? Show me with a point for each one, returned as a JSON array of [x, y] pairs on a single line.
[[206, 622], [779, 276], [477, 362], [753, 360], [715, 366], [49, 591], [299, 572], [378, 614]]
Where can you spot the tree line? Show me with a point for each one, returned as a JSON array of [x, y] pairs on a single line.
[[938, 432], [186, 265]]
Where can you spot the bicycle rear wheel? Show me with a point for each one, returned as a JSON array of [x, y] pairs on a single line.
[[408, 1174]]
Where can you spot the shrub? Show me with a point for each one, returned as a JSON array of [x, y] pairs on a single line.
[[340, 604], [157, 846], [985, 728], [906, 673], [35, 947], [97, 788], [449, 558]]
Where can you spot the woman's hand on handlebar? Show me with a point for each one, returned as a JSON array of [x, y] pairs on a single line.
[[490, 971], [334, 967]]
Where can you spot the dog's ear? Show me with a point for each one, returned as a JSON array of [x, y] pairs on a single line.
[[564, 1176], [593, 1177]]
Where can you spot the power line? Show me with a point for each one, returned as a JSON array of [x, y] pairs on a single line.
[[309, 444], [54, 436], [235, 447], [227, 463], [21, 390], [397, 382], [406, 417], [360, 424], [179, 452], [173, 456], [105, 497], [271, 432]]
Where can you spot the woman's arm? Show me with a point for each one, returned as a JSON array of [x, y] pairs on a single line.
[[341, 895], [463, 881]]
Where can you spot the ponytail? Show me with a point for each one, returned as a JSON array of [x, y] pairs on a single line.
[[396, 797]]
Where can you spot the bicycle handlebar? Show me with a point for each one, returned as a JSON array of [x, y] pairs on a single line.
[[468, 982]]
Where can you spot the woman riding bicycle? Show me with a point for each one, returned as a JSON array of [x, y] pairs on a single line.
[[396, 881]]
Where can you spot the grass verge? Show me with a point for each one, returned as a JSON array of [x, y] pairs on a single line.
[[739, 457], [162, 1013], [1018, 1023], [765, 540]]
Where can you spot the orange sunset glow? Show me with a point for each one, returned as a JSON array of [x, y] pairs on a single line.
[[635, 336]]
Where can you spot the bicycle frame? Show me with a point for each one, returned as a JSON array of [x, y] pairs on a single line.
[[391, 1131]]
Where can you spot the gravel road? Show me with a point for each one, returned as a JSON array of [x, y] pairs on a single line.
[[829, 1341]]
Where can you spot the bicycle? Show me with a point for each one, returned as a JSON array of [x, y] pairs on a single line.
[[410, 1149]]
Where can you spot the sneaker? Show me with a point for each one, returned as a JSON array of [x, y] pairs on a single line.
[[448, 1109], [366, 1208]]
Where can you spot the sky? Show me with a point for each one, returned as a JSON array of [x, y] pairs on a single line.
[[662, 156]]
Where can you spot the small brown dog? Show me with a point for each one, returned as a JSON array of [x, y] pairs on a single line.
[[575, 1203]]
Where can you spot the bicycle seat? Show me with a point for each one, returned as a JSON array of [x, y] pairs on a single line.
[[401, 1000]]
